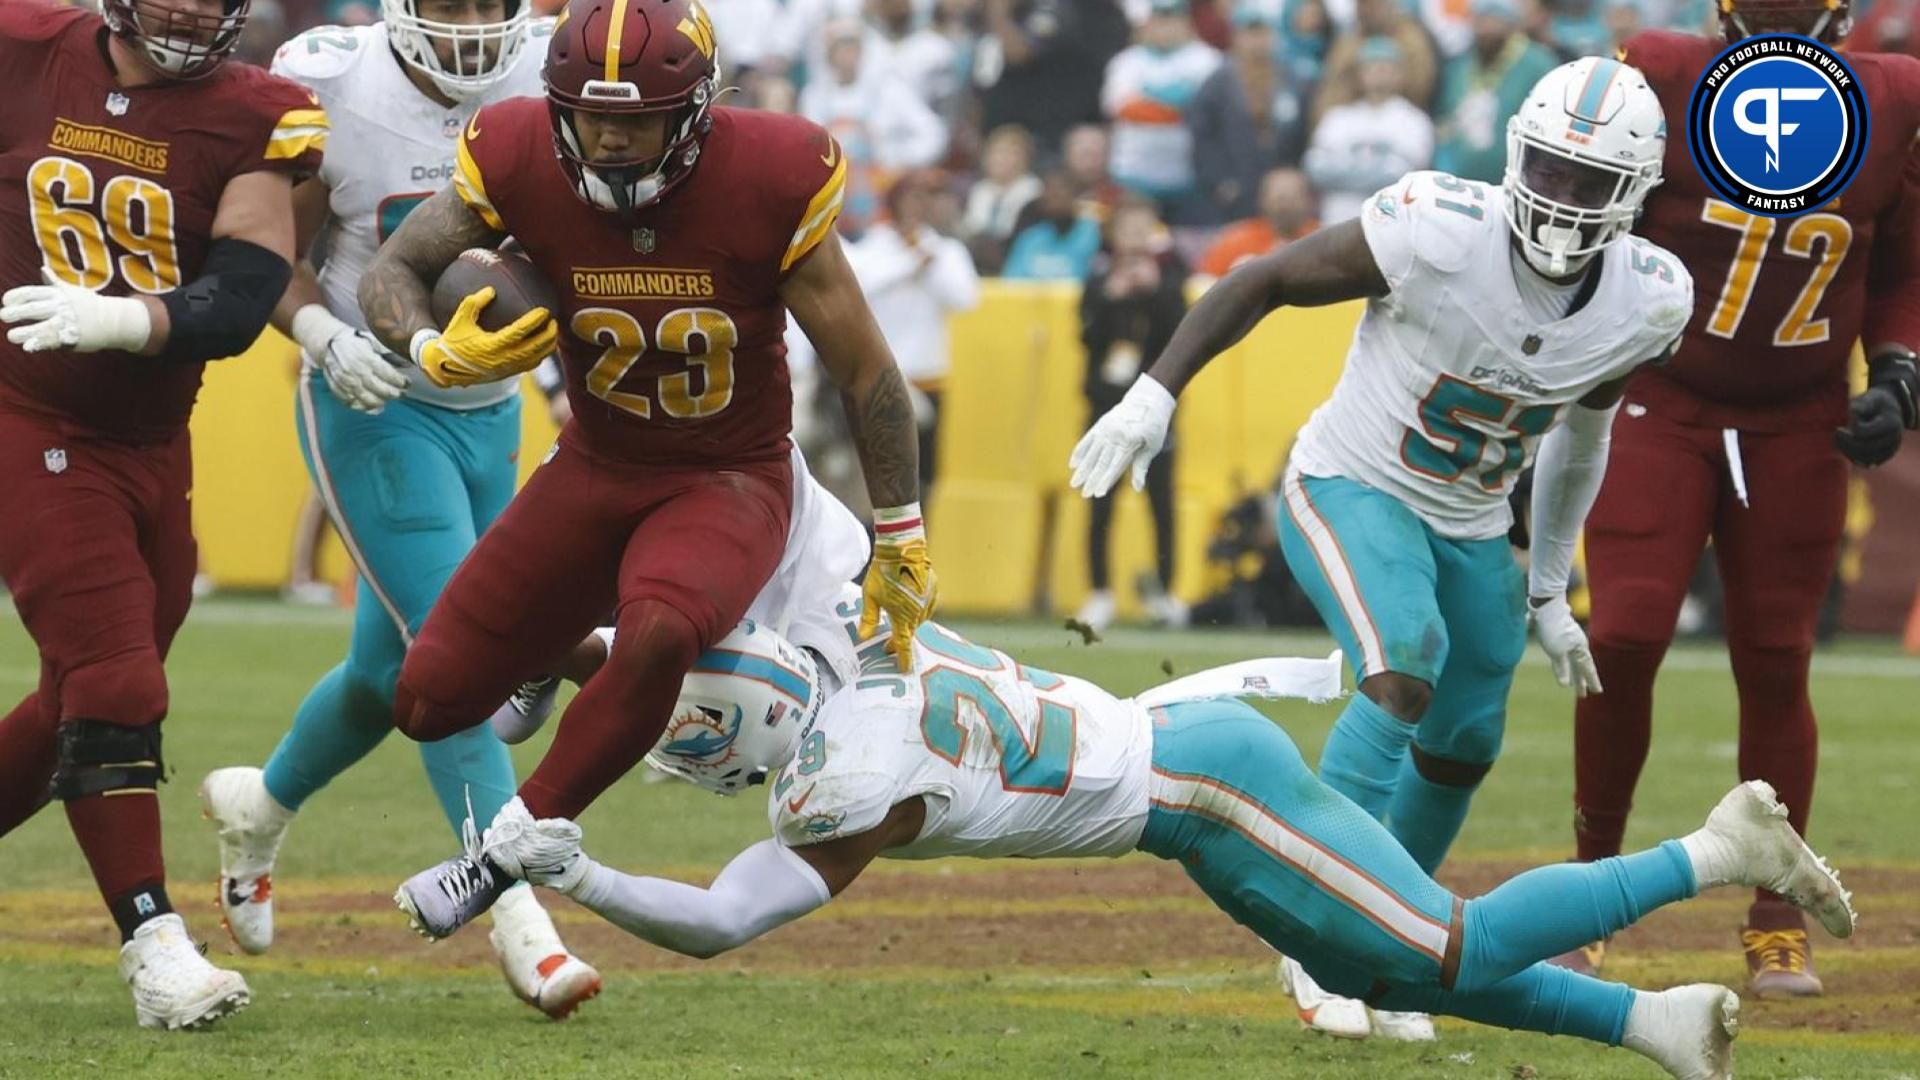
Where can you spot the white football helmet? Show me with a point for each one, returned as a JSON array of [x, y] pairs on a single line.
[[1582, 154], [742, 710], [483, 52]]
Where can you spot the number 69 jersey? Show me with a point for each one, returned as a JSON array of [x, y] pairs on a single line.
[[1450, 383], [1012, 761], [116, 190], [671, 323]]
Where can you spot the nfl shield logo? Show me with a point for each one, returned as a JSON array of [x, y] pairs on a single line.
[[1531, 345], [643, 241], [56, 461], [450, 127], [117, 103]]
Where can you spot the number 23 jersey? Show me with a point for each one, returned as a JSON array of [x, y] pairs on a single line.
[[116, 189], [1449, 383], [671, 323]]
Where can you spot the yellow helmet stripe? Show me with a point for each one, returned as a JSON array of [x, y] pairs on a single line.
[[612, 73]]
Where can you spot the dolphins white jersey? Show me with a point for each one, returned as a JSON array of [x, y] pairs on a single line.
[[1449, 383], [393, 147], [1012, 761]]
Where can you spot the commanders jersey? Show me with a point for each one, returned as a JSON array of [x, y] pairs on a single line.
[[1012, 761], [1449, 383], [1782, 300], [116, 189], [393, 146], [671, 320]]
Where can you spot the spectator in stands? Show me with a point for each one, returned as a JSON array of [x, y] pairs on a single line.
[[898, 41], [751, 31], [1362, 147], [915, 279], [1006, 185], [1288, 211], [1450, 23], [1148, 87], [1084, 153], [1061, 241], [1308, 36], [1887, 27], [1248, 118], [1623, 18], [1131, 303], [1577, 28], [880, 121], [1041, 62], [1483, 88], [1340, 79]]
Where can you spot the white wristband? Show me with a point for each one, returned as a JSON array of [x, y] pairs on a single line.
[[127, 325], [899, 524], [419, 341], [314, 326]]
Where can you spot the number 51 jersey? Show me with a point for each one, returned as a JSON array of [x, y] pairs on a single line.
[[1449, 383], [116, 190], [671, 319]]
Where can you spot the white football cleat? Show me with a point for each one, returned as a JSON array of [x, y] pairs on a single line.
[[538, 967], [173, 985], [1402, 1026], [1688, 1030], [526, 711], [251, 827], [1329, 1014], [1747, 841]]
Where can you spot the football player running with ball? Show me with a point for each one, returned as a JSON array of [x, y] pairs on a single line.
[[973, 753], [678, 235], [411, 473], [145, 229], [1499, 322]]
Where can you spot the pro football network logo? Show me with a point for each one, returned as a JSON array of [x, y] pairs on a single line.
[[1778, 124]]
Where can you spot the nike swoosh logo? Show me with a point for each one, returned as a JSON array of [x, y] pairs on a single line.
[[1406, 199], [832, 155], [473, 127], [794, 805]]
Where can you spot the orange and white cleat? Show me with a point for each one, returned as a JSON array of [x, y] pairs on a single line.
[[1329, 1014], [538, 967], [251, 825]]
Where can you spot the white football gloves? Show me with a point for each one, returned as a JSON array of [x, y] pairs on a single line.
[[57, 315], [541, 852], [1131, 433], [1566, 645], [358, 370]]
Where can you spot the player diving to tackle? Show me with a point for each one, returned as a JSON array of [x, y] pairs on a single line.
[[1498, 322], [973, 753], [410, 472]]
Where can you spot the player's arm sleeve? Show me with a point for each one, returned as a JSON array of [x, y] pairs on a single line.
[[764, 887], [472, 162], [1893, 281], [818, 197], [298, 136], [1566, 480]]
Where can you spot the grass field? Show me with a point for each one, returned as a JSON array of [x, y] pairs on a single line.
[[1107, 968]]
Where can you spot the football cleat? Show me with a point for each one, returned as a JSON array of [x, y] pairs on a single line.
[[1585, 960], [1779, 956], [1402, 1026], [174, 987], [538, 968], [1329, 1014], [251, 826], [444, 898], [1747, 841], [1688, 1030], [526, 711]]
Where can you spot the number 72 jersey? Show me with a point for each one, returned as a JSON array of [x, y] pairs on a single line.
[[1450, 382], [1782, 300]]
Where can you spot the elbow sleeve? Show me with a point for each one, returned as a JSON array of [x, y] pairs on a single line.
[[221, 312]]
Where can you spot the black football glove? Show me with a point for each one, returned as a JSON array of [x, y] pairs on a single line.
[[1890, 406]]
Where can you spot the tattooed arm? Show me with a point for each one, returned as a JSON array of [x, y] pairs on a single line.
[[397, 289], [827, 302]]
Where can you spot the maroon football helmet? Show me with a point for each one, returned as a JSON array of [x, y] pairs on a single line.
[[183, 45], [1823, 20], [628, 58]]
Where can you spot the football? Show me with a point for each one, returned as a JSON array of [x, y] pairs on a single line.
[[518, 286]]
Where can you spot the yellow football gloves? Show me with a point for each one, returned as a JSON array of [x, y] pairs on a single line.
[[465, 355], [900, 581]]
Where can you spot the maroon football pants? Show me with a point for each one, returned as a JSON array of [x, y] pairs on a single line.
[[678, 552], [1668, 489], [96, 545]]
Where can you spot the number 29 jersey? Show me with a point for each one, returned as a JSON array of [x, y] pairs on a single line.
[[1011, 760], [671, 320], [1449, 382], [116, 190]]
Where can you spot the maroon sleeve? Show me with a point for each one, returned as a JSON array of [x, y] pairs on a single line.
[[285, 129], [1893, 278], [807, 187]]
